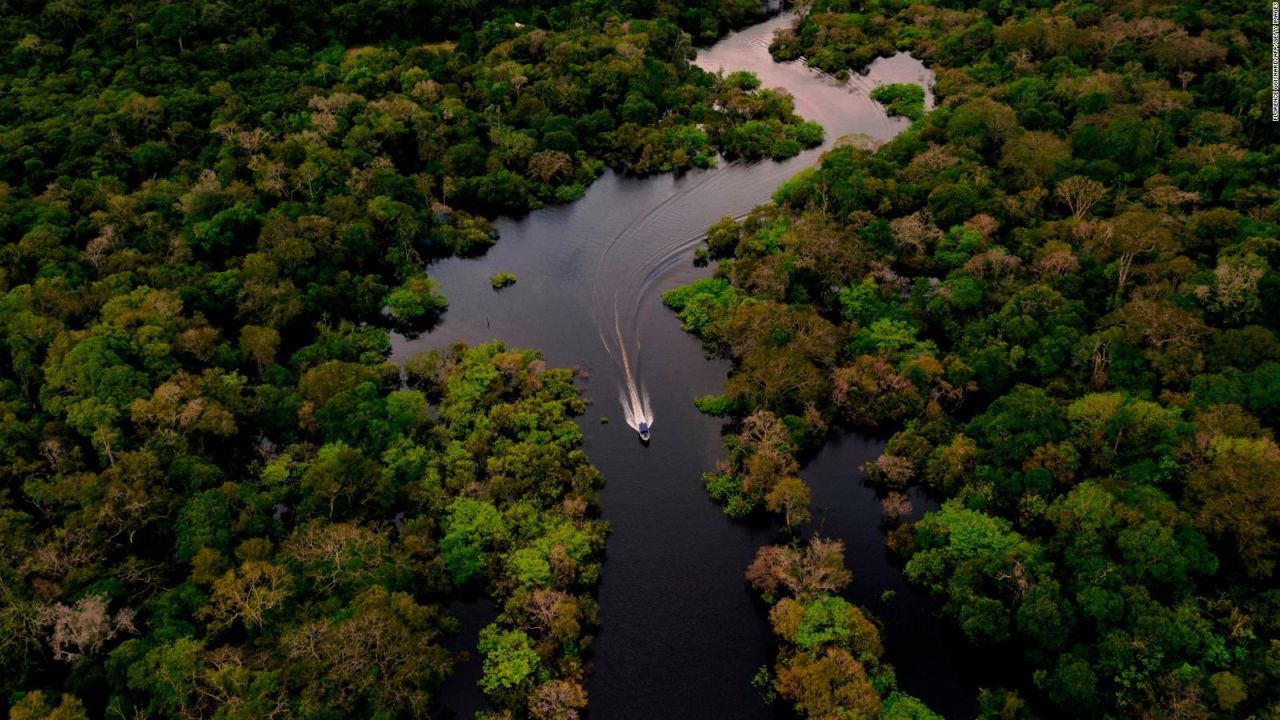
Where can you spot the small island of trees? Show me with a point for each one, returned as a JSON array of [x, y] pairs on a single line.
[[502, 280]]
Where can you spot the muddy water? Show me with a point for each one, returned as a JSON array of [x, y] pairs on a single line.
[[682, 635]]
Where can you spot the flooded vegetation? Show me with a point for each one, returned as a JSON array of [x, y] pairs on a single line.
[[592, 275], [534, 360]]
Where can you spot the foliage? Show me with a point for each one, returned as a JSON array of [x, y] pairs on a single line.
[[199, 572], [416, 302], [902, 99], [829, 662], [502, 280], [216, 499], [1047, 290]]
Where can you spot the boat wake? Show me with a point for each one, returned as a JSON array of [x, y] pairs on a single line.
[[635, 405], [633, 396], [628, 273], [634, 263], [618, 312]]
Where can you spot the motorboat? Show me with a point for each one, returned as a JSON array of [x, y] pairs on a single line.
[[644, 432]]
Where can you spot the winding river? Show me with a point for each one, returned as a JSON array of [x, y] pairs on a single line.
[[682, 635]]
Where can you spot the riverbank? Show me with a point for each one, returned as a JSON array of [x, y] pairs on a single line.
[[681, 635]]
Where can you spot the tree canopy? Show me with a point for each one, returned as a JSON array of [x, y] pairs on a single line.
[[1051, 291]]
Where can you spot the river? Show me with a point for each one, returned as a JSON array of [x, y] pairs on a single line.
[[682, 635]]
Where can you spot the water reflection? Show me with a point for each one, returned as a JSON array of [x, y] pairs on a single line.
[[682, 635]]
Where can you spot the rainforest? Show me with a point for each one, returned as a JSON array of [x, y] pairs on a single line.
[[328, 329]]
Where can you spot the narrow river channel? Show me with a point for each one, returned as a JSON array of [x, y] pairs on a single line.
[[681, 634]]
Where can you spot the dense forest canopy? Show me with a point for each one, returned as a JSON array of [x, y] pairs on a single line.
[[217, 498], [274, 173], [1057, 291]]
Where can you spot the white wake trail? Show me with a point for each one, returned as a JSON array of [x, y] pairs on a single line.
[[633, 395], [634, 398]]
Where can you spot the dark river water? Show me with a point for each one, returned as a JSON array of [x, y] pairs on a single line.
[[682, 635]]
